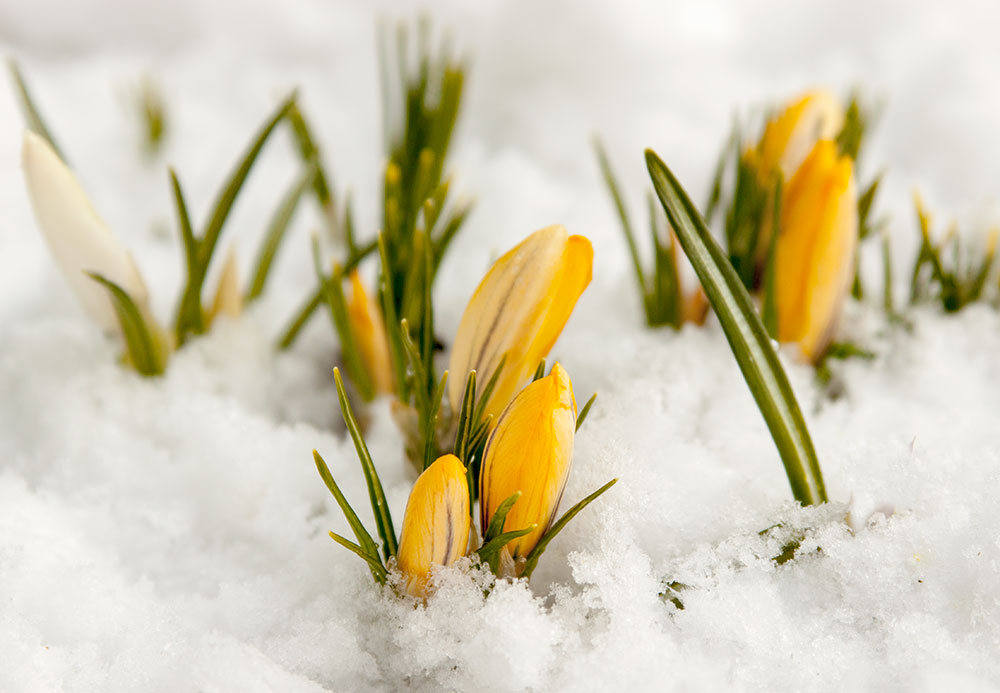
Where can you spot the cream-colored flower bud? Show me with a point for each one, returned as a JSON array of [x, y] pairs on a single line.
[[436, 522], [77, 237], [531, 451], [814, 261], [517, 312]]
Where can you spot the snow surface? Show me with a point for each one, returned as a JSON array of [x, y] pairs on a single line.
[[170, 534]]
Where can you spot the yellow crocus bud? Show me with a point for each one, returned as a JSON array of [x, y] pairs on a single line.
[[436, 522], [531, 451], [228, 297], [77, 237], [517, 312], [369, 332], [814, 260], [789, 137]]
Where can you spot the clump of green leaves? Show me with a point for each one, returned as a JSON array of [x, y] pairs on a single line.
[[945, 272]]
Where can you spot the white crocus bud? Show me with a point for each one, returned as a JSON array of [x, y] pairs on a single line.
[[77, 237]]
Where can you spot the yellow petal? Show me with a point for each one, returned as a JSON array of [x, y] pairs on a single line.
[[518, 311], [814, 261], [436, 522], [531, 451], [77, 237], [789, 137], [228, 297], [369, 332]]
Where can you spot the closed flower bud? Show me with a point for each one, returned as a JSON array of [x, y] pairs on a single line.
[[436, 523], [789, 137], [518, 311], [77, 237], [369, 332], [814, 260], [228, 297], [531, 451]]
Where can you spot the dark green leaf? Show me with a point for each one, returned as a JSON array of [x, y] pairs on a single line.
[[746, 334], [276, 231], [380, 507]]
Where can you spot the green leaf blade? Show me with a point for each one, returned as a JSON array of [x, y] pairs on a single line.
[[746, 335], [145, 351]]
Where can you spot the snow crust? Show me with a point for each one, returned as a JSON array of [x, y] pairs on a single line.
[[170, 534]]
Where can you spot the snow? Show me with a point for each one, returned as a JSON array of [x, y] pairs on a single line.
[[170, 534]]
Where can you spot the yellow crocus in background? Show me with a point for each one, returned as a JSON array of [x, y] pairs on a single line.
[[789, 137], [369, 333], [814, 260], [531, 451], [76, 235], [436, 522], [518, 311]]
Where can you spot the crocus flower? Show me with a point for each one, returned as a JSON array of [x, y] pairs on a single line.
[[789, 137], [517, 312], [531, 451], [436, 522], [814, 260], [369, 333], [77, 237]]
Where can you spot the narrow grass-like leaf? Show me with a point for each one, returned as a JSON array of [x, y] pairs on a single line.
[[380, 507], [142, 346], [367, 544], [500, 516], [313, 301], [32, 116], [478, 436], [416, 365], [450, 230], [189, 313], [494, 538], [184, 222], [276, 231], [539, 372], [491, 384], [397, 351], [302, 316], [227, 196], [550, 534], [769, 314], [887, 300], [489, 553], [715, 194], [430, 425], [373, 561], [746, 334], [582, 416], [334, 298], [309, 152], [616, 197], [464, 428]]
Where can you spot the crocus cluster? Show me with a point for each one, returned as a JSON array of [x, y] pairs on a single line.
[[519, 474]]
